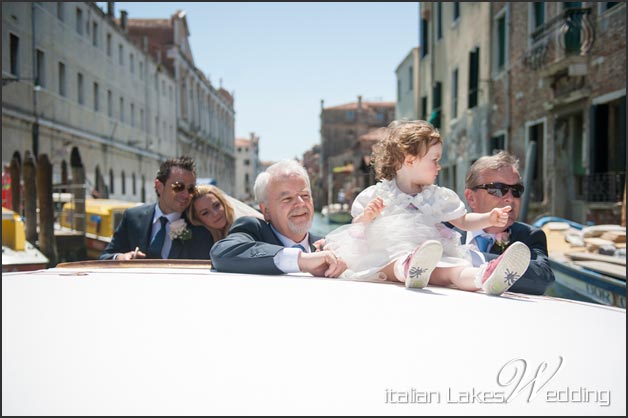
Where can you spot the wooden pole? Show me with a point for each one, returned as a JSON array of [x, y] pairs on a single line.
[[47, 243], [30, 199], [16, 187], [78, 180]]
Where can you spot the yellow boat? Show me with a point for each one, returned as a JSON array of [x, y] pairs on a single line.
[[17, 253], [102, 216]]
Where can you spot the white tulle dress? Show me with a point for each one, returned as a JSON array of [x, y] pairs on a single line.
[[405, 222]]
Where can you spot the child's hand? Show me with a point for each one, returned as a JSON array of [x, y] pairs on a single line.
[[499, 216], [373, 209]]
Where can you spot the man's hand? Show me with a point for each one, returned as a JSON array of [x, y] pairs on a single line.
[[499, 216], [131, 255], [321, 264]]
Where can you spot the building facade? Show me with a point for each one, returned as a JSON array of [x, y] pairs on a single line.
[[341, 156], [407, 106], [83, 88], [247, 167], [543, 80]]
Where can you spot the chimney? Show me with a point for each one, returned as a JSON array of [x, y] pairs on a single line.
[[123, 19], [359, 102], [322, 104], [110, 9]]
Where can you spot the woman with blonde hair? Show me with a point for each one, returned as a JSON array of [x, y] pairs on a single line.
[[210, 208]]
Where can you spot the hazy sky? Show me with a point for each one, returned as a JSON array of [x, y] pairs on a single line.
[[281, 59]]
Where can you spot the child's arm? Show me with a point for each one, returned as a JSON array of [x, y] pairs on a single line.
[[477, 221], [372, 210]]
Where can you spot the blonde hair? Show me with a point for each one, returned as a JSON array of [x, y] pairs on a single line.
[[402, 138], [203, 190]]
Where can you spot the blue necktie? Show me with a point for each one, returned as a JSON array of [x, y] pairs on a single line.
[[158, 242], [300, 247], [484, 243]]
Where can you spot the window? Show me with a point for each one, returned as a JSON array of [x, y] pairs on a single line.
[[439, 20], [141, 70], [81, 92], [498, 143], [108, 44], [410, 78], [537, 133], [132, 115], [123, 182], [247, 162], [111, 181], [501, 43], [435, 117], [96, 98], [79, 21], [424, 37], [15, 55], [538, 15], [109, 104], [474, 77], [134, 186], [142, 124], [62, 80], [132, 63], [456, 11], [40, 69], [424, 108], [95, 33], [121, 109], [61, 11], [120, 54], [454, 94], [399, 90], [350, 115]]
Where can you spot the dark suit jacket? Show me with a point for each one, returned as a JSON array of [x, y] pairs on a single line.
[[249, 248], [539, 274], [135, 230]]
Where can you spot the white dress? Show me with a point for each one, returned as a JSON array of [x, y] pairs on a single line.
[[405, 222]]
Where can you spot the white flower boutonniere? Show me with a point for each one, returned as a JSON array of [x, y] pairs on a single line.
[[179, 230], [502, 240]]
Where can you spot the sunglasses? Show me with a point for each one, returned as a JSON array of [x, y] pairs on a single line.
[[177, 187], [501, 189]]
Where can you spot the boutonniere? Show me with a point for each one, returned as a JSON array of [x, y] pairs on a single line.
[[179, 230], [502, 239]]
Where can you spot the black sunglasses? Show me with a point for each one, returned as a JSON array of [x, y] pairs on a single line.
[[177, 187], [501, 189]]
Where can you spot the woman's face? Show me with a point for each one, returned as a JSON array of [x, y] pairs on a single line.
[[210, 212]]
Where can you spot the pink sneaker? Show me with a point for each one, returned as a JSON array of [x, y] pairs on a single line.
[[418, 267], [500, 274]]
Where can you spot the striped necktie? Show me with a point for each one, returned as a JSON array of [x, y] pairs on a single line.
[[299, 246]]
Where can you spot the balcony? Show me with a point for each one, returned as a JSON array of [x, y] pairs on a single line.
[[561, 46]]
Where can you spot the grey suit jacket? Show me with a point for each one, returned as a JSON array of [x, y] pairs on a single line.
[[249, 248], [135, 230], [539, 274]]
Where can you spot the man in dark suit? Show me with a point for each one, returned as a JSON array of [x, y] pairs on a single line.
[[494, 181], [281, 243], [160, 230]]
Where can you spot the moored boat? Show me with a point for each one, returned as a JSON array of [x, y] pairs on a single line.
[[578, 265], [337, 213], [169, 337]]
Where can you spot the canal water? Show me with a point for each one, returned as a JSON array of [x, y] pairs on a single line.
[[320, 226]]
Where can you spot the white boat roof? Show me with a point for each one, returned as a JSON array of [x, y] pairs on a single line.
[[188, 341]]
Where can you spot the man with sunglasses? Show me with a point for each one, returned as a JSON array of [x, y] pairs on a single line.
[[494, 181], [155, 230]]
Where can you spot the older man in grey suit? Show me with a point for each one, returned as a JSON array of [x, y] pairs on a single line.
[[281, 243], [161, 230]]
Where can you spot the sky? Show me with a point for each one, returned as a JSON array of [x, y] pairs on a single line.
[[281, 59]]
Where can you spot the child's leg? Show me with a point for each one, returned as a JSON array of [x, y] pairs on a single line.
[[416, 268], [494, 277], [462, 277]]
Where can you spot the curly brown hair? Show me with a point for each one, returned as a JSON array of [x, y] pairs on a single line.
[[402, 138]]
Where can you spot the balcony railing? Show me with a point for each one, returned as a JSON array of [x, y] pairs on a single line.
[[601, 187], [573, 31]]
